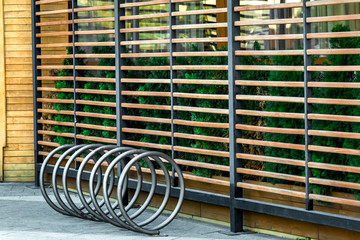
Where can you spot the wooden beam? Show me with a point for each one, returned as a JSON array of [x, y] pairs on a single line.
[[2, 91]]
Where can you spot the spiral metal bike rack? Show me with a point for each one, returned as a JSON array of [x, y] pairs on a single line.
[[118, 161]]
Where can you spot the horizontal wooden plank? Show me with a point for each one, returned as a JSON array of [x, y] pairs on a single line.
[[144, 80], [146, 106], [199, 26], [346, 151], [201, 151], [269, 37], [270, 114], [283, 176], [53, 12], [269, 52], [334, 167], [262, 158], [146, 93], [274, 190], [51, 133], [332, 35], [200, 40], [199, 12], [270, 129], [97, 139], [270, 98], [201, 54], [146, 119], [147, 131], [50, 122], [334, 68], [334, 84], [330, 2], [200, 81], [203, 110], [147, 55], [146, 68], [97, 127], [329, 117], [201, 67], [271, 144], [201, 96], [96, 115], [350, 102], [337, 200], [333, 18], [202, 137], [341, 51], [96, 103], [269, 83], [202, 165], [334, 134], [144, 16], [49, 1], [335, 183], [147, 145], [201, 124], [259, 22], [268, 68], [144, 29], [141, 4], [95, 8], [268, 6], [144, 42]]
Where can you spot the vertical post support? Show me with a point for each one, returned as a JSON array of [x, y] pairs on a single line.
[[173, 88], [236, 215], [119, 74], [74, 16], [36, 83], [307, 105]]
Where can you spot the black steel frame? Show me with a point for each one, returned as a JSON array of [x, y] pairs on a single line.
[[235, 200]]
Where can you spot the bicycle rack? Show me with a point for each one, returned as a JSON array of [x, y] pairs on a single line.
[[118, 161]]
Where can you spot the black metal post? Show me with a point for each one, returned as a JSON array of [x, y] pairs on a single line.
[[173, 87], [36, 83], [119, 74], [74, 16], [236, 215], [307, 105]]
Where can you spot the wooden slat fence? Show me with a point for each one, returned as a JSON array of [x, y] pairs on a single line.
[[293, 90]]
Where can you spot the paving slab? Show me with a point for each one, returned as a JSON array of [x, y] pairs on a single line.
[[24, 214]]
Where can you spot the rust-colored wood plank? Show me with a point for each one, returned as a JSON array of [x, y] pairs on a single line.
[[200, 12], [268, 6], [329, 117], [330, 2], [274, 190], [270, 98], [268, 22], [334, 167], [270, 129], [262, 158], [145, 144], [202, 137], [271, 144], [337, 200], [269, 52], [270, 114], [268, 68], [146, 106], [269, 37], [201, 151], [346, 151], [146, 131], [269, 83], [201, 124], [146, 119], [203, 110], [201, 96], [283, 176], [199, 26], [144, 16]]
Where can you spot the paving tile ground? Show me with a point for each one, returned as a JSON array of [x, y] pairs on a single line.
[[25, 215]]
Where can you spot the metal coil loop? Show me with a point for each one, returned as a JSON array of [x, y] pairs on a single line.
[[99, 204]]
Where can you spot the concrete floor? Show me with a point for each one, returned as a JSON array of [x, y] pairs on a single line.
[[25, 215]]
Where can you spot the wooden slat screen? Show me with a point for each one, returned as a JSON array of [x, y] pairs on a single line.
[[297, 97]]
